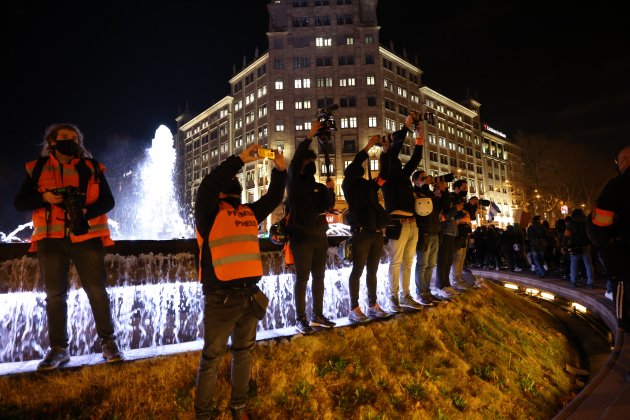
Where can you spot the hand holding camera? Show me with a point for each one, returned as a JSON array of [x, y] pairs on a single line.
[[374, 140], [278, 160], [250, 154], [74, 202]]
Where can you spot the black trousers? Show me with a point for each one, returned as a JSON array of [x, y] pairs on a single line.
[[444, 260], [367, 247]]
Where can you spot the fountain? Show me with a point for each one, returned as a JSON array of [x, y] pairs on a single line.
[[148, 208], [155, 297]]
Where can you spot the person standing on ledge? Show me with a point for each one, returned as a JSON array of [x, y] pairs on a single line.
[[67, 191], [307, 203], [229, 270], [608, 227], [367, 219]]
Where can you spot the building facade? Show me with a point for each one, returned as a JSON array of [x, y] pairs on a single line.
[[325, 52]]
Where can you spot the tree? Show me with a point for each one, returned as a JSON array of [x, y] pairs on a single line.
[[560, 172]]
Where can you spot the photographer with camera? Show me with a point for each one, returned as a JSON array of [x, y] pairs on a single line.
[[367, 220], [401, 230], [464, 230], [67, 191], [428, 221], [307, 202], [230, 268]]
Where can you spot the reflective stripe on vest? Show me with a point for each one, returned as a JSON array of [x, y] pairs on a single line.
[[233, 242], [603, 218], [50, 221]]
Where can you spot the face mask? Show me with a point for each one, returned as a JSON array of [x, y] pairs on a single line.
[[310, 169], [67, 147], [234, 188]]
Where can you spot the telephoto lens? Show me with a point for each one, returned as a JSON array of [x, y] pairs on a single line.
[[446, 177]]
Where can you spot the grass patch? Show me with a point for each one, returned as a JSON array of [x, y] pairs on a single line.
[[488, 354]]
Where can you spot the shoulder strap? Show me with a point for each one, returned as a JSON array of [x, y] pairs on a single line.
[[37, 169], [85, 173]]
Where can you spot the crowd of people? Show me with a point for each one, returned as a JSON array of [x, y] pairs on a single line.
[[420, 220]]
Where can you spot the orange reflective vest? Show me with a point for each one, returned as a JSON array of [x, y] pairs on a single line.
[[50, 221], [233, 243]]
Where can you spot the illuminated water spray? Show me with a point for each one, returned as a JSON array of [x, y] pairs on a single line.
[[149, 208]]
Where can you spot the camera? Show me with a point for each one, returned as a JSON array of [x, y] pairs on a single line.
[[445, 178], [74, 201], [427, 116], [267, 153], [327, 119]]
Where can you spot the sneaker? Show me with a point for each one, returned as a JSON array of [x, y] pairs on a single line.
[[425, 300], [240, 413], [55, 357], [608, 295], [532, 268], [443, 294], [517, 269], [376, 312], [111, 352], [394, 306], [408, 302], [459, 286], [321, 321], [357, 315], [436, 299], [302, 326], [451, 291]]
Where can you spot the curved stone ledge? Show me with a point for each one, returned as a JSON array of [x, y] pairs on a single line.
[[607, 394]]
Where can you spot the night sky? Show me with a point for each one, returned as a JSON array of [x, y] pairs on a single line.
[[120, 69]]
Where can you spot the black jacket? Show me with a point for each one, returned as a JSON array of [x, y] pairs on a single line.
[[207, 208], [307, 199], [397, 190], [364, 209]]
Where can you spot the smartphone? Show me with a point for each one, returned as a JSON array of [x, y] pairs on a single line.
[[268, 153]]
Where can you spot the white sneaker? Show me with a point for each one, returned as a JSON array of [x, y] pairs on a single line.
[[545, 267], [608, 295], [517, 269], [532, 268], [442, 293]]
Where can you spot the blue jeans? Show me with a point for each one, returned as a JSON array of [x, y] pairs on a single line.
[[367, 248], [585, 256], [539, 259], [54, 255], [426, 259], [227, 313], [402, 252]]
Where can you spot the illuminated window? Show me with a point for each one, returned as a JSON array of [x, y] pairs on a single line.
[[323, 41], [369, 80], [279, 105], [279, 85], [372, 122]]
